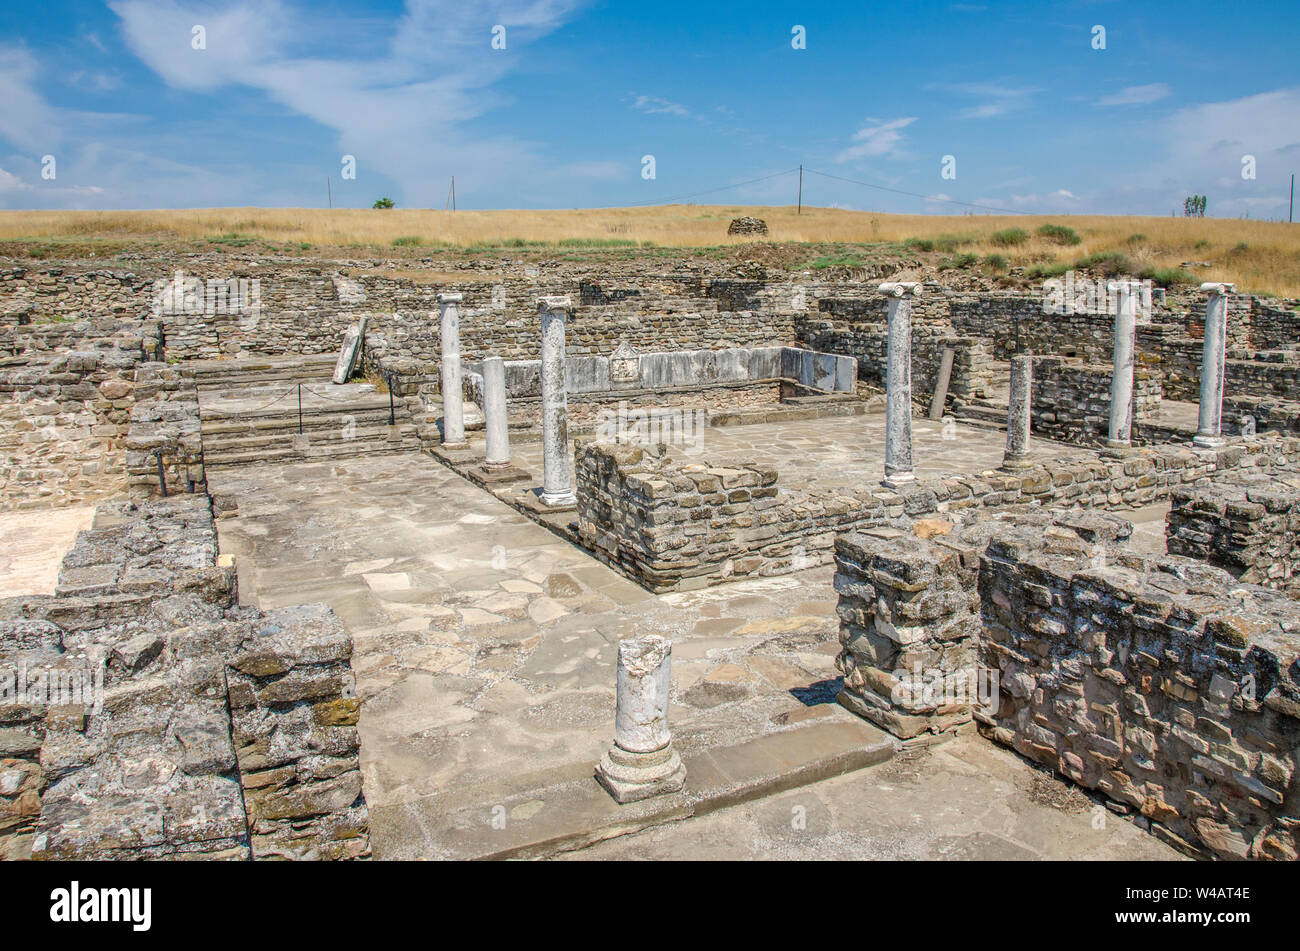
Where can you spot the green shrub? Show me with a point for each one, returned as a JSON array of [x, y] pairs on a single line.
[[1106, 263], [1044, 271], [408, 241], [1165, 276], [1009, 237], [919, 244], [1136, 238], [958, 261], [1059, 234], [996, 262]]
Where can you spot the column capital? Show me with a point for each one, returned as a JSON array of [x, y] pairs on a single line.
[[1218, 288], [901, 289], [555, 303], [453, 298], [1125, 285]]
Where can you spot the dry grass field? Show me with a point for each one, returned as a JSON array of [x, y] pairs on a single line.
[[1261, 257]]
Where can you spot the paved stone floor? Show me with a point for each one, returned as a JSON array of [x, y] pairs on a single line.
[[485, 645], [965, 799], [841, 451], [32, 545]]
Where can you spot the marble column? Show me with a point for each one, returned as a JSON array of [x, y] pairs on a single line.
[[453, 400], [557, 479], [496, 421], [1210, 420], [898, 385], [1121, 380], [1016, 455], [642, 762]]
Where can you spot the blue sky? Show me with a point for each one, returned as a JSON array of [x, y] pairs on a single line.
[[1034, 117]]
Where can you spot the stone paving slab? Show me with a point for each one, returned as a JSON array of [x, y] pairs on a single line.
[[966, 799], [574, 813]]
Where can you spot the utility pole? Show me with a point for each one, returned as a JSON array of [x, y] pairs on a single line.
[[800, 209], [1291, 209], [329, 191], [451, 196]]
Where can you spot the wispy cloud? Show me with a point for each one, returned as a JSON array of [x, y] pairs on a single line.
[[877, 140], [999, 99], [1137, 95], [654, 105]]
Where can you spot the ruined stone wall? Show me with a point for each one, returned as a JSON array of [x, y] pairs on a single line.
[[1164, 684], [1070, 401], [1250, 528], [65, 406], [200, 707], [676, 525], [858, 327], [1274, 324], [40, 295], [165, 423]]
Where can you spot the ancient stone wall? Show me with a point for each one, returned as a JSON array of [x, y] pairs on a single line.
[[1070, 401], [1164, 684], [1250, 528], [670, 524], [1274, 324], [65, 408], [192, 707]]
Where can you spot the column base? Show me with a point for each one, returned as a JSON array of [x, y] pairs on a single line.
[[631, 777], [1015, 463], [558, 500], [1209, 442], [499, 475], [1115, 449], [898, 480], [454, 446]]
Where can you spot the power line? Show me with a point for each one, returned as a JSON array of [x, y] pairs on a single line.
[[707, 191], [896, 191]]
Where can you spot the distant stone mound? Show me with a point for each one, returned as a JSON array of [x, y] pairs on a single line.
[[747, 225]]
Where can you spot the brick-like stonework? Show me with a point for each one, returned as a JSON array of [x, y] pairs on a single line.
[[205, 729], [1251, 529], [1162, 683]]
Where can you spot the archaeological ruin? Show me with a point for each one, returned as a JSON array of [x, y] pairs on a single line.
[[515, 559]]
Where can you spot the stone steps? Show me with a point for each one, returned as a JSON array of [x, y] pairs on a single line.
[[311, 448], [316, 368], [250, 413]]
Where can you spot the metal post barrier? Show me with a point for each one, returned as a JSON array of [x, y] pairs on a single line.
[[162, 475]]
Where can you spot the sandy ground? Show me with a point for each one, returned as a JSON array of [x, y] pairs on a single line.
[[33, 543]]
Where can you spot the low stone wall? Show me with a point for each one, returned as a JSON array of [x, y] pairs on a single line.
[[1274, 323], [671, 525], [1246, 415], [1251, 529], [64, 416], [166, 428], [972, 369], [1164, 684], [1070, 401], [201, 729]]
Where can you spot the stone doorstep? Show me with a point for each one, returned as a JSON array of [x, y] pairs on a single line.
[[574, 814]]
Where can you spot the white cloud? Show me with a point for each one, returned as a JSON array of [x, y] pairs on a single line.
[[653, 105], [1000, 98], [1137, 95], [880, 139], [399, 104]]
